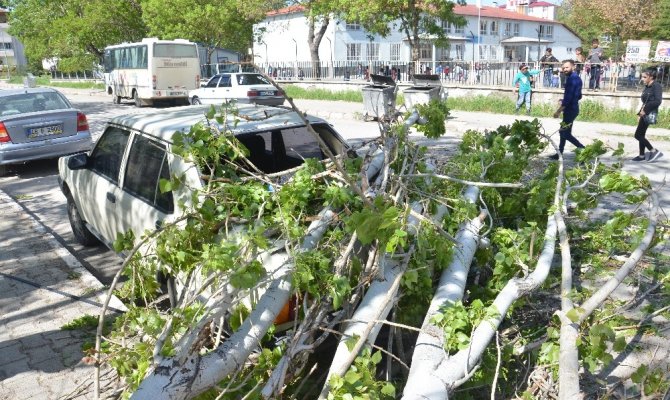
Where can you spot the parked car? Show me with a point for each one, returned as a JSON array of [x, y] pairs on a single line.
[[243, 87], [115, 188], [39, 123]]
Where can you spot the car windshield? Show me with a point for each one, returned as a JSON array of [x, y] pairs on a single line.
[[251, 79], [32, 102]]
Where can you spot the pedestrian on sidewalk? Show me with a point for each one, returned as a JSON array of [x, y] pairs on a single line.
[[652, 96], [595, 58], [569, 107], [521, 84], [548, 61]]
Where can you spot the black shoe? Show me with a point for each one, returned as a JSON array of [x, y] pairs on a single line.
[[653, 155], [638, 158], [554, 157]]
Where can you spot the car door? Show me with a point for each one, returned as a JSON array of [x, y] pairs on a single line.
[[142, 206], [224, 91], [208, 93], [98, 184]]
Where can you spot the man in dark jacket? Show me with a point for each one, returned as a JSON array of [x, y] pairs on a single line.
[[548, 63], [569, 106]]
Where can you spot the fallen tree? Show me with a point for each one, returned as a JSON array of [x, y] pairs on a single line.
[[392, 237]]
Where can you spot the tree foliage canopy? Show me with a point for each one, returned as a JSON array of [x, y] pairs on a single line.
[[74, 31], [620, 18], [227, 24]]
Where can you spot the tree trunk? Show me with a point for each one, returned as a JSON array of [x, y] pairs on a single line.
[[314, 38]]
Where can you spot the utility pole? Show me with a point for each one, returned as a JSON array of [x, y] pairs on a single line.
[[539, 34]]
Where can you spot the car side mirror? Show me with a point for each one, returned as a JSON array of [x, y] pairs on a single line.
[[78, 161]]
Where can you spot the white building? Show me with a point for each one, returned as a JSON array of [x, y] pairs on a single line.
[[11, 50], [533, 8], [503, 35]]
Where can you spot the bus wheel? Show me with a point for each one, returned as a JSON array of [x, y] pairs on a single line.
[[195, 101], [136, 98]]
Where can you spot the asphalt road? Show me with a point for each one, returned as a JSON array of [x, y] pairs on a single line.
[[35, 187]]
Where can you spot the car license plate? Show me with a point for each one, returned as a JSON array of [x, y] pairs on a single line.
[[45, 131], [176, 93], [268, 93]]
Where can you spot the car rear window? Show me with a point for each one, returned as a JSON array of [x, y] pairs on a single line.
[[282, 149], [32, 102], [251, 79]]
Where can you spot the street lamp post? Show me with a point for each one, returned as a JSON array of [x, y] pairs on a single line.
[[330, 69], [473, 48], [539, 33], [296, 58]]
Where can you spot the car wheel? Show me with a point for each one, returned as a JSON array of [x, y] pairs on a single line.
[[136, 99], [196, 101], [116, 99], [81, 233], [3, 170]]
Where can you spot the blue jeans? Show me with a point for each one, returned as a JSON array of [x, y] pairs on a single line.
[[565, 131], [523, 98], [548, 72], [594, 82]]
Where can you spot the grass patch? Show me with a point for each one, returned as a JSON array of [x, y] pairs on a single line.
[[83, 323], [46, 81], [589, 110]]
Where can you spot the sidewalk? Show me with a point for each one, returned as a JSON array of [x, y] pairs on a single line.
[[42, 288]]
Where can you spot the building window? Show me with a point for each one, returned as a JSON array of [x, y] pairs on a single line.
[[426, 51], [493, 53], [459, 29], [508, 29], [6, 46], [516, 29], [395, 51], [494, 28], [460, 51], [483, 27], [353, 26], [353, 51], [569, 49], [372, 51], [482, 51], [446, 26], [546, 31]]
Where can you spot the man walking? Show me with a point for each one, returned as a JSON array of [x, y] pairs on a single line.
[[548, 60], [569, 107], [522, 82], [595, 59]]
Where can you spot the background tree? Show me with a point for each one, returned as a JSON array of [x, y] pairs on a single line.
[[660, 24], [226, 23], [417, 19], [74, 31], [617, 18]]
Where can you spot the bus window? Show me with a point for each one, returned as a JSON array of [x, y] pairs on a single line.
[[173, 50]]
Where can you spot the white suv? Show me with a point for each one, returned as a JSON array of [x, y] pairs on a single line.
[[115, 188]]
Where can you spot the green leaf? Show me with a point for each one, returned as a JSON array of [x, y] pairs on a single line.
[[573, 315], [376, 357], [165, 185], [388, 390], [619, 344]]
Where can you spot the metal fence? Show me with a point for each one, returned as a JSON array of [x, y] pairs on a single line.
[[613, 77]]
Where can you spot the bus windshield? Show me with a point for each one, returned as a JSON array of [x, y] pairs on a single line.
[[172, 50]]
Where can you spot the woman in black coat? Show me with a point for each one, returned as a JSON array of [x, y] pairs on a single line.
[[652, 95]]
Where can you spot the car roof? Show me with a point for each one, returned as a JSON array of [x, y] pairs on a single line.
[[11, 92], [252, 118]]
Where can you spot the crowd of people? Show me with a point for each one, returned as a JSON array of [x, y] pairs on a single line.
[[568, 109]]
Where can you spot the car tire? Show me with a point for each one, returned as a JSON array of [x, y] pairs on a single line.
[[116, 99], [3, 170], [136, 99], [196, 101], [81, 233]]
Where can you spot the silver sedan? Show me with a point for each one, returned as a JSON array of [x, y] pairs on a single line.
[[39, 123]]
